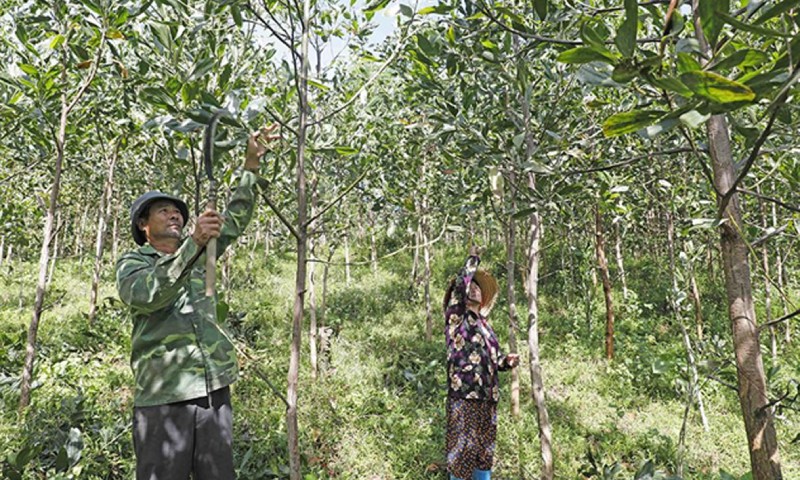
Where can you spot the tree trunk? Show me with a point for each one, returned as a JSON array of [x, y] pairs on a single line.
[[415, 263], [779, 272], [373, 244], [693, 392], [698, 307], [511, 240], [80, 240], [56, 235], [2, 248], [620, 264], [302, 244], [761, 437], [103, 211], [347, 277], [773, 340], [312, 294], [427, 277], [44, 256], [602, 265], [537, 381], [114, 232]]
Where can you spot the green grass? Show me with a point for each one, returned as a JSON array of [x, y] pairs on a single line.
[[377, 409]]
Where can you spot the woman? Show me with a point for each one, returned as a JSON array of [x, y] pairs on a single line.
[[473, 360]]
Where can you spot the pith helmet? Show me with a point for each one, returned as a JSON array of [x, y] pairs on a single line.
[[140, 205]]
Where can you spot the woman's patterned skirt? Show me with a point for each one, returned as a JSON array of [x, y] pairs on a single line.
[[471, 433]]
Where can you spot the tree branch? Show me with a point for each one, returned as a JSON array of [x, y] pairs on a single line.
[[759, 241], [372, 79], [262, 181], [769, 199], [775, 107], [90, 77], [336, 200], [281, 37], [629, 161], [367, 262], [780, 320]]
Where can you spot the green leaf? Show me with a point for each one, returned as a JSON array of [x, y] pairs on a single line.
[[29, 69], [318, 84], [222, 312], [590, 36], [236, 14], [376, 5], [524, 213], [747, 57], [624, 72], [57, 41], [541, 8], [427, 10], [625, 39], [627, 122], [776, 10], [671, 84], [345, 150], [711, 22], [687, 63], [747, 27], [717, 88], [406, 11], [451, 35], [580, 55], [659, 367], [202, 67]]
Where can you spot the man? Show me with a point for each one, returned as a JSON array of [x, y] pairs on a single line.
[[183, 361]]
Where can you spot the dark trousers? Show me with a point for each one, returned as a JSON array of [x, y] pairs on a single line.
[[171, 441]]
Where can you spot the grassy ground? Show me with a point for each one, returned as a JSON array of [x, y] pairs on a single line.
[[377, 409]]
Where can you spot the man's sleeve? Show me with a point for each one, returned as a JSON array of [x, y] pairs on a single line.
[[147, 287], [239, 211]]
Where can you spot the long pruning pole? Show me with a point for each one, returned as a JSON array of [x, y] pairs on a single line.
[[211, 204]]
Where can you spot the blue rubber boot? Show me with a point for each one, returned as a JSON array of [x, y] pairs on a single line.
[[481, 475], [454, 478]]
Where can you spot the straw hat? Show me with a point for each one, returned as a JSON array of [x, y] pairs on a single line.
[[489, 290]]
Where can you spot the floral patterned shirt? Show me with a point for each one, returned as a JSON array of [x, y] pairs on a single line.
[[473, 351]]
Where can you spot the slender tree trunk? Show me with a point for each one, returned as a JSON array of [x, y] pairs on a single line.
[[698, 307], [537, 380], [620, 263], [312, 294], [693, 393], [511, 240], [602, 264], [41, 286], [347, 277], [302, 244], [415, 264], [779, 274], [427, 277], [56, 235], [103, 212], [114, 231], [2, 248], [373, 244], [773, 340], [761, 437]]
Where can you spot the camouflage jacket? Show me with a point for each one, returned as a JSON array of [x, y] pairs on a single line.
[[179, 351]]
